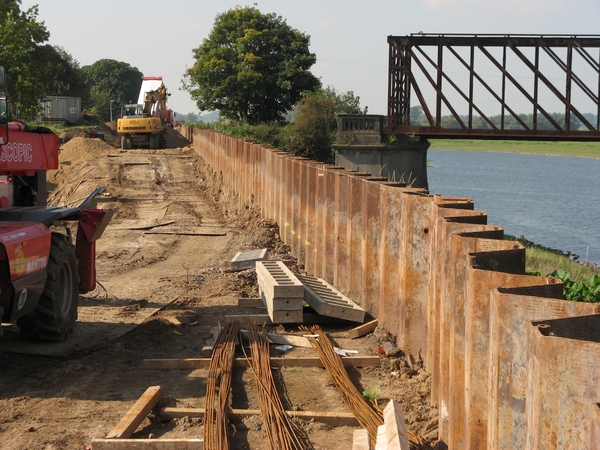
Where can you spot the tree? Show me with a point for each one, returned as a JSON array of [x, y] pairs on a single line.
[[21, 36], [108, 80], [415, 113], [315, 122], [61, 74], [253, 67]]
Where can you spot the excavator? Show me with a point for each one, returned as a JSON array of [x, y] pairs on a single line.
[[42, 271], [144, 124]]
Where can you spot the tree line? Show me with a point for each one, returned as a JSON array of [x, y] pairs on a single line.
[[253, 69], [35, 69]]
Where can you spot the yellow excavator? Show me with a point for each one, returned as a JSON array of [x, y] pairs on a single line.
[[144, 124]]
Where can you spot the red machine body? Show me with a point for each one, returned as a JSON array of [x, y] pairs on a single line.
[[27, 243], [26, 153]]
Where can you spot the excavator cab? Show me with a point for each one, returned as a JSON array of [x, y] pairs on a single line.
[[3, 112], [130, 110]]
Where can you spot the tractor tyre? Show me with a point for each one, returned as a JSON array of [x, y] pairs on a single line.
[[56, 311]]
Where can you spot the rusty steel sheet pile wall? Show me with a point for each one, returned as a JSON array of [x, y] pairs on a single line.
[[441, 279]]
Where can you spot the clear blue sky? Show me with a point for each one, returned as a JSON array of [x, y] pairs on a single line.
[[349, 37]]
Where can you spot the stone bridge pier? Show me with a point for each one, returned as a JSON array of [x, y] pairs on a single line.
[[363, 146]]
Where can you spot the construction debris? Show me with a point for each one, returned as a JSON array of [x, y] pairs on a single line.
[[363, 329], [136, 415], [247, 259]]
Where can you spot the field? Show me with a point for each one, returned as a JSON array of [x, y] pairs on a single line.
[[582, 149]]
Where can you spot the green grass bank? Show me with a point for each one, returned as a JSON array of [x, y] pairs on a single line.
[[582, 149]]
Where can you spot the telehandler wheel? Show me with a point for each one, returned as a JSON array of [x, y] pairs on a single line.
[[56, 311]]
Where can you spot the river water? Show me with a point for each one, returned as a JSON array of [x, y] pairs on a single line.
[[553, 201]]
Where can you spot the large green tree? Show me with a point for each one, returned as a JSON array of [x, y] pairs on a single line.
[[21, 36], [253, 67], [315, 122], [108, 80], [61, 73]]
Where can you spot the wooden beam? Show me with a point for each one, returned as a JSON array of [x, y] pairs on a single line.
[[381, 442], [147, 444], [136, 414], [282, 361], [395, 428], [282, 339], [360, 439], [307, 318], [363, 329], [209, 345], [250, 302], [191, 232], [335, 419]]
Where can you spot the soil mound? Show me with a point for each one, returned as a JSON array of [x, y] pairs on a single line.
[[73, 154], [91, 125]]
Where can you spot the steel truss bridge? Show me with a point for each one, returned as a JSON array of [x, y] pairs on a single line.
[[495, 86]]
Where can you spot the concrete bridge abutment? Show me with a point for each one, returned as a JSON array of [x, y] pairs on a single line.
[[362, 145]]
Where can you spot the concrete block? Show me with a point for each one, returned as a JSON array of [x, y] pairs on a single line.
[[281, 292], [276, 280], [328, 301], [247, 259]]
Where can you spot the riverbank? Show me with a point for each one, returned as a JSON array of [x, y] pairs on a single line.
[[543, 261], [582, 149]]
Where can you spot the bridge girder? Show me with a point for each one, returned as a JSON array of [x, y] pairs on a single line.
[[420, 75]]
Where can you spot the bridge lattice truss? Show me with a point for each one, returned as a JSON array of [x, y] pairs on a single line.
[[509, 87]]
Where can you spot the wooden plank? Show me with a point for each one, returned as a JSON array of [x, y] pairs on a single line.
[[146, 226], [395, 428], [335, 419], [250, 302], [136, 414], [209, 345], [360, 439], [199, 231], [147, 444], [328, 301], [307, 319], [363, 329], [381, 442], [279, 361], [283, 339], [182, 319]]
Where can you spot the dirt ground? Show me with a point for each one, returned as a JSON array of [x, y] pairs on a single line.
[[162, 256]]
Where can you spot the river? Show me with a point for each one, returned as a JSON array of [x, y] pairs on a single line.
[[553, 201]]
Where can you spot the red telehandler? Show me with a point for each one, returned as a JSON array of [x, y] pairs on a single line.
[[42, 272]]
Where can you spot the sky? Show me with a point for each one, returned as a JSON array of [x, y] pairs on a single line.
[[349, 37]]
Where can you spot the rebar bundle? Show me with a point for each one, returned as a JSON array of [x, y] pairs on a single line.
[[368, 414], [219, 373], [281, 430]]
